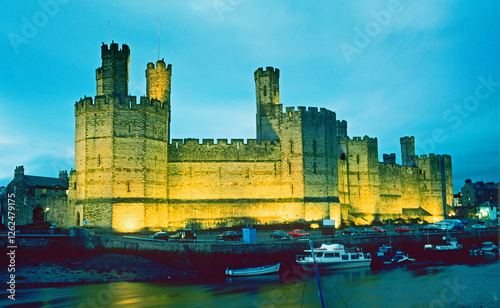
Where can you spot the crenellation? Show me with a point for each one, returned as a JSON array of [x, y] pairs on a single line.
[[270, 71], [121, 103]]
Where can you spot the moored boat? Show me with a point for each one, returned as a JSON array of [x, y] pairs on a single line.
[[334, 256], [400, 258], [253, 271], [388, 255], [451, 244]]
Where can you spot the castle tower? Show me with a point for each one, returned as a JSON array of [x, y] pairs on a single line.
[[112, 76], [121, 147], [341, 128], [268, 103], [389, 158], [158, 81], [408, 151]]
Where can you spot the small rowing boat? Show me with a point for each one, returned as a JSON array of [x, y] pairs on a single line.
[[252, 271]]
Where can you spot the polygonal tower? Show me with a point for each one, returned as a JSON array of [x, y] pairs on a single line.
[[121, 147], [268, 103], [408, 151]]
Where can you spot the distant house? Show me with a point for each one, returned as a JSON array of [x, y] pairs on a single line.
[[479, 200], [37, 198]]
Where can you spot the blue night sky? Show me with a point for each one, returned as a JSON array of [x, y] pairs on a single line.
[[428, 69]]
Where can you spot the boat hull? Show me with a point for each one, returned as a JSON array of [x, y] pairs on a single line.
[[254, 271], [309, 266]]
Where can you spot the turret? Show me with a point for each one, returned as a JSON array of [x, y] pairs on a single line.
[[268, 102], [158, 81], [408, 151], [112, 76], [341, 128]]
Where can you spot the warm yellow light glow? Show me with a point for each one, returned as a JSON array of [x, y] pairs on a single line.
[[314, 226], [47, 209]]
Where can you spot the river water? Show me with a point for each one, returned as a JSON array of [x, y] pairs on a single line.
[[424, 285]]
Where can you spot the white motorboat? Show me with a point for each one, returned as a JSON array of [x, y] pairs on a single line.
[[252, 271], [451, 244], [399, 258], [334, 256]]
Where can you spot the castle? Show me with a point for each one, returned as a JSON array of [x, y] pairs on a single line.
[[301, 167]]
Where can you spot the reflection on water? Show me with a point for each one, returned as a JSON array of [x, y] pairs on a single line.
[[418, 286]]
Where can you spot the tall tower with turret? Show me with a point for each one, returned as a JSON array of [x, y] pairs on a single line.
[[121, 144], [268, 103]]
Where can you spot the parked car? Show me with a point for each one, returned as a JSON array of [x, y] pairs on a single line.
[[280, 235], [489, 248], [379, 229], [299, 233], [184, 236], [438, 226], [404, 229], [229, 236], [350, 231], [485, 225], [370, 231], [160, 236], [457, 224]]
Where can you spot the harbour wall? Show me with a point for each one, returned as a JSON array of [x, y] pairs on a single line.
[[212, 258]]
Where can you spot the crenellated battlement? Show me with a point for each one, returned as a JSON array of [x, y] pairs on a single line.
[[313, 112], [191, 149], [407, 139], [114, 51], [364, 139], [122, 103], [432, 156], [270, 71], [160, 65]]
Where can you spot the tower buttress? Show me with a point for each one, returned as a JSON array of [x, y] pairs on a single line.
[[112, 76], [268, 103]]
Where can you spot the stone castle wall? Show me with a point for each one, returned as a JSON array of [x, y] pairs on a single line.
[[301, 167]]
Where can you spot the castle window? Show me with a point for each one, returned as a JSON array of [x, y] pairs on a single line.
[[342, 156], [315, 168], [99, 159], [177, 145], [292, 188], [290, 114], [128, 186], [289, 167], [357, 158], [314, 147], [129, 128], [265, 90], [291, 146], [74, 186]]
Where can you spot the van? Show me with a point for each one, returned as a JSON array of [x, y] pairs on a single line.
[[456, 223], [185, 235]]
